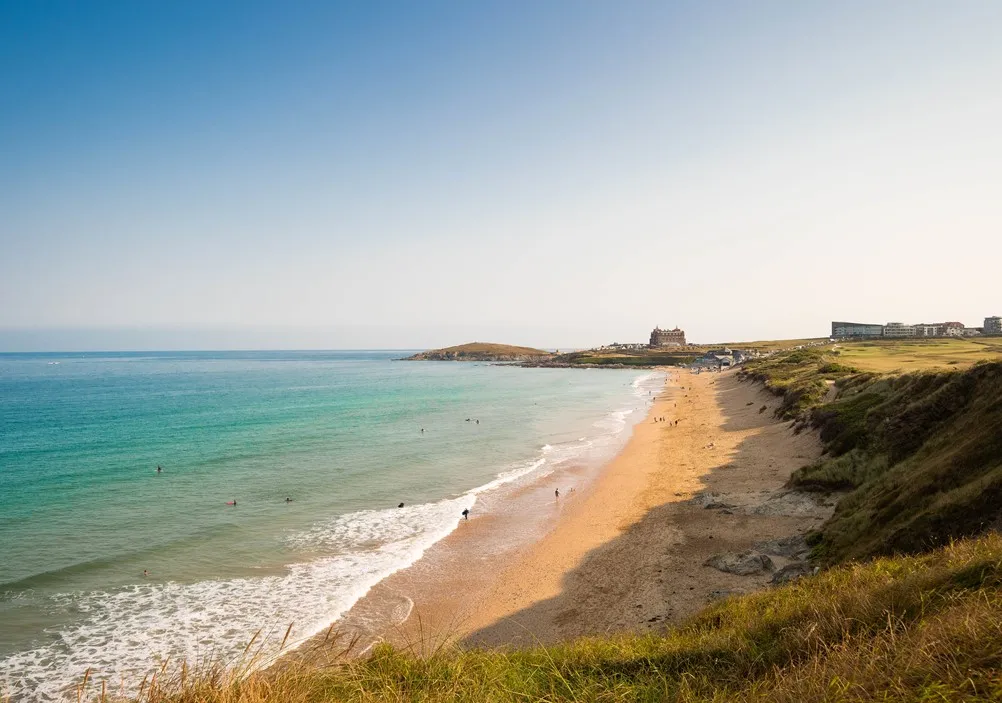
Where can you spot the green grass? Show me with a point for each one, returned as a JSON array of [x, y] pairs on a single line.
[[920, 453], [923, 455], [639, 358], [768, 345], [801, 377], [925, 628]]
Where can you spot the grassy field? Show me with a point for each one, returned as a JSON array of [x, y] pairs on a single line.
[[642, 357], [926, 628], [890, 356], [768, 345]]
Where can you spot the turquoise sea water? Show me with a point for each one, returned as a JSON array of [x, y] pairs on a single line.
[[83, 511]]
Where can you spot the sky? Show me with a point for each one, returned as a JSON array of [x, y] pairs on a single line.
[[287, 175]]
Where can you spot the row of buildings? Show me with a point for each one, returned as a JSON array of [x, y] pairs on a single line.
[[862, 330]]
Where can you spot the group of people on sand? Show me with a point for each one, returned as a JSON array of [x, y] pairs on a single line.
[[663, 419]]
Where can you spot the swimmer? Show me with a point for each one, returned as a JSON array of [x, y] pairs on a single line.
[[159, 470], [146, 573], [232, 502], [401, 505], [288, 500]]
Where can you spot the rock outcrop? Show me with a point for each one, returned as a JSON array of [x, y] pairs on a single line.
[[744, 564]]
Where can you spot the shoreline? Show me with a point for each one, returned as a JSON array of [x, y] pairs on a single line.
[[632, 557], [623, 553], [420, 603]]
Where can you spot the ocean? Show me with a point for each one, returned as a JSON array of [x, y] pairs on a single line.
[[108, 565]]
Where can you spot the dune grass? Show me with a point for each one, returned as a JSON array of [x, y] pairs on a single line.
[[922, 628], [921, 454], [801, 377]]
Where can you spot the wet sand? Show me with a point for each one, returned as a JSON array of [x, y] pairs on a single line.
[[625, 551]]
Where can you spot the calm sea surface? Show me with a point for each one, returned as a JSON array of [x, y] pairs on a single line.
[[83, 511]]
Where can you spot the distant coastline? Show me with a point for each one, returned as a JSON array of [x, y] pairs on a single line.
[[530, 357]]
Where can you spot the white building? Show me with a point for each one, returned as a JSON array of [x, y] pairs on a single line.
[[993, 325], [926, 330], [953, 329], [899, 329]]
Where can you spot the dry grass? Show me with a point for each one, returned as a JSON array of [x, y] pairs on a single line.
[[926, 628], [902, 356]]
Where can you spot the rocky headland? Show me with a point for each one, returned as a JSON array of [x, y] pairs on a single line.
[[483, 351]]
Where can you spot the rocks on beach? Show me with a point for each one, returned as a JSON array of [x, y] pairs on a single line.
[[743, 564], [792, 547], [793, 571]]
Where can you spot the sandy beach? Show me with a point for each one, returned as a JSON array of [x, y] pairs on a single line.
[[626, 550]]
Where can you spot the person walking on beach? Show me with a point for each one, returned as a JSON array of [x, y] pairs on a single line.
[[556, 492], [466, 513]]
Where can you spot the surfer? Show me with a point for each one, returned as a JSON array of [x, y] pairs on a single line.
[[232, 502], [401, 505], [159, 470], [288, 500]]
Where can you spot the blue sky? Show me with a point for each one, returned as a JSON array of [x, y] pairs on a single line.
[[287, 175]]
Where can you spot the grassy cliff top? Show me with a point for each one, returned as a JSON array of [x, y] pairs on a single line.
[[923, 628], [481, 351], [919, 454]]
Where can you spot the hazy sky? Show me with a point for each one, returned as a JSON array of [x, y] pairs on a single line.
[[413, 174]]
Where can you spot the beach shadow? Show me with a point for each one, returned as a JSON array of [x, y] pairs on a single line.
[[653, 573]]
